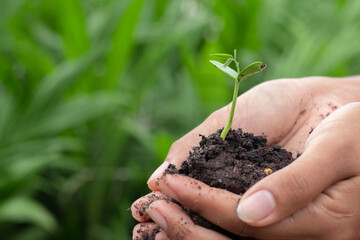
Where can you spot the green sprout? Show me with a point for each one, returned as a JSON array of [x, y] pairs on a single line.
[[238, 76]]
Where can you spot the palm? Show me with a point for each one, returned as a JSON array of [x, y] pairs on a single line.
[[286, 111]]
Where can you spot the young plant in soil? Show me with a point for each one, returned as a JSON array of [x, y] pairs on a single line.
[[238, 76], [231, 159]]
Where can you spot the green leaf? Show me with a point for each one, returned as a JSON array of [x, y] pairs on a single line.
[[229, 71], [76, 112], [25, 167], [59, 80], [251, 70], [222, 55], [7, 112], [25, 210], [123, 44]]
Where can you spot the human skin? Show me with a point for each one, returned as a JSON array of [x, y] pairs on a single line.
[[315, 197]]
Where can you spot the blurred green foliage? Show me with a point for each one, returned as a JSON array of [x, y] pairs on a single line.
[[93, 93]]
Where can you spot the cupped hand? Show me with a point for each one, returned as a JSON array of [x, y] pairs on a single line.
[[285, 111]]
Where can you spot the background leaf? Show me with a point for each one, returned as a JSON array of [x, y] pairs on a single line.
[[23, 209], [93, 93]]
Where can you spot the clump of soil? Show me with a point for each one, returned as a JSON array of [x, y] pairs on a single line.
[[235, 164]]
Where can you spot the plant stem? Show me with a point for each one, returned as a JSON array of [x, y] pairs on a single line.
[[237, 66], [228, 125]]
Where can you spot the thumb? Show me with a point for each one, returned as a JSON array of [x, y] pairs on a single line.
[[324, 162]]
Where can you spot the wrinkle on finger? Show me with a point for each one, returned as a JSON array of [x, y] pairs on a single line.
[[338, 201]]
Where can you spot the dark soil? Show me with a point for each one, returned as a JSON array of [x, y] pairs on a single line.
[[235, 164]]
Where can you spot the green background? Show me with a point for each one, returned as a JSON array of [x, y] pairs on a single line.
[[93, 93]]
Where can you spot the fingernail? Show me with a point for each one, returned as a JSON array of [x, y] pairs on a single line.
[[164, 188], [256, 207], [159, 171], [156, 217]]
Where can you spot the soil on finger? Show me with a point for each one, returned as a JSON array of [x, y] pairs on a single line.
[[147, 232]]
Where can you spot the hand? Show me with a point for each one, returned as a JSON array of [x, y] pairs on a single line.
[[285, 111]]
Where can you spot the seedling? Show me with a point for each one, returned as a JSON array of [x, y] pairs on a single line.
[[238, 76]]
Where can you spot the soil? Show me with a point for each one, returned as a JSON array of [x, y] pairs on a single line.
[[235, 164]]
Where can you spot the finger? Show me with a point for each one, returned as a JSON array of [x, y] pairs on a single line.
[[333, 215], [161, 235], [138, 207], [177, 224], [324, 162], [216, 205], [339, 210], [146, 231], [336, 213]]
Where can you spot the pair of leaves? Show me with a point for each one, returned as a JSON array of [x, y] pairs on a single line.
[[247, 72]]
